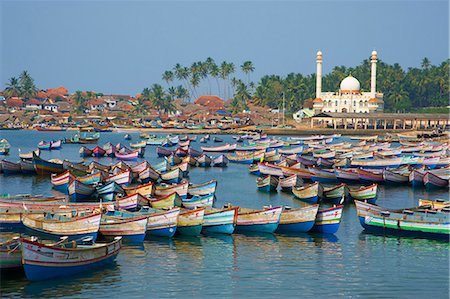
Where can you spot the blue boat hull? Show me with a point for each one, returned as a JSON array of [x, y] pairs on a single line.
[[267, 188], [300, 227], [194, 230], [257, 173], [80, 197], [326, 228], [7, 171], [219, 229], [172, 181], [36, 272], [64, 188], [261, 228], [166, 232], [324, 180], [313, 199]]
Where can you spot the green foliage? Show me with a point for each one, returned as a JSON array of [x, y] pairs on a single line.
[[24, 86]]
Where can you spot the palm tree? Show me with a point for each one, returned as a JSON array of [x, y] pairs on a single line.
[[214, 71], [182, 92], [247, 67], [167, 76], [12, 87], [206, 70], [426, 63], [172, 92], [139, 106], [27, 87], [80, 101]]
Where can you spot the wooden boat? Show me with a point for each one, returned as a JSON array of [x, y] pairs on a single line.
[[322, 175], [27, 167], [85, 152], [347, 175], [131, 156], [269, 169], [89, 137], [44, 146], [434, 204], [301, 173], [163, 152], [144, 190], [164, 202], [98, 151], [60, 182], [335, 193], [265, 221], [121, 178], [368, 193], [172, 176], [56, 145], [370, 176], [148, 175], [267, 183], [416, 178], [108, 191], [41, 261], [50, 129], [190, 222], [54, 204], [198, 201], [220, 161], [165, 189], [432, 181], [291, 150], [203, 189], [9, 167], [287, 183], [29, 156], [156, 140], [11, 254], [79, 191], [299, 220], [328, 220], [55, 226], [310, 193], [130, 202], [254, 169], [378, 163], [222, 221], [138, 144], [307, 161], [47, 167], [223, 148], [395, 178], [126, 225], [405, 222], [247, 159], [4, 147], [161, 223]]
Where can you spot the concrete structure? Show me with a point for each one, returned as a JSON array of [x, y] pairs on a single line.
[[349, 98]]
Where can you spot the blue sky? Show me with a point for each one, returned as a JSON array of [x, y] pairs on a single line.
[[122, 47]]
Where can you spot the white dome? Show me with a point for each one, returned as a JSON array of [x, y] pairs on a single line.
[[350, 84]]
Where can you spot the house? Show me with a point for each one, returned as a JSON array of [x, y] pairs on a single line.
[[33, 105], [212, 103], [48, 105], [96, 105]]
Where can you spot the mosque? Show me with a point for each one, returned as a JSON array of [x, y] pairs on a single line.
[[349, 98]]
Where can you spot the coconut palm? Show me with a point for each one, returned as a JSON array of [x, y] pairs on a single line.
[[182, 92], [247, 67], [172, 92], [139, 106], [426, 63], [27, 87], [214, 71], [168, 76], [12, 87], [80, 101]]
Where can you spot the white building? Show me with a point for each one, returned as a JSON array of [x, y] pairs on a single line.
[[349, 98]]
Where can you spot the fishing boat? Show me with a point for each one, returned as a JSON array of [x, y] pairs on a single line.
[[85, 152], [310, 193], [29, 156], [88, 137], [55, 226], [194, 153], [127, 225], [222, 148], [79, 191], [301, 173], [267, 183], [172, 176], [138, 144], [165, 189], [27, 167], [148, 175], [392, 177], [322, 175], [328, 220], [156, 140], [291, 150], [335, 193], [60, 182], [264, 221], [161, 223], [247, 159], [108, 191], [254, 169], [220, 161], [130, 202], [44, 146], [56, 145], [269, 169], [217, 139], [11, 254], [434, 204], [347, 175], [286, 183], [9, 167], [371, 176], [204, 161], [221, 221], [203, 189], [190, 222], [432, 181], [131, 156], [4, 147], [49, 261], [50, 129], [298, 220], [144, 190], [377, 163], [164, 202], [163, 152], [368, 193], [198, 201], [127, 137], [423, 223], [98, 151], [47, 167], [121, 178]]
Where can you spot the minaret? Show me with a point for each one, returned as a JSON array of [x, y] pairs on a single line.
[[319, 75], [373, 74]]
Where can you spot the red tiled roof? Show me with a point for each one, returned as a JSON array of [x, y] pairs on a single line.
[[373, 100], [210, 101], [14, 102], [96, 102], [33, 102], [317, 100]]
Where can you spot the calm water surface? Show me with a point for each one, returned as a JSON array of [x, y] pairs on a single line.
[[350, 263]]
